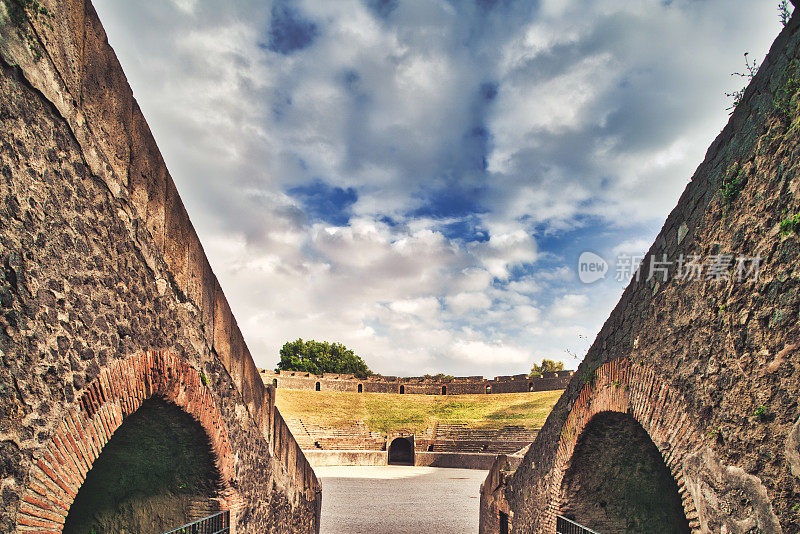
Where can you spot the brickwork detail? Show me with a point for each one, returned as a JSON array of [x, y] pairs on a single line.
[[713, 370], [116, 393], [618, 386], [100, 262], [624, 387]]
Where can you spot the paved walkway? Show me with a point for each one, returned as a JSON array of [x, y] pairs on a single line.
[[399, 500]]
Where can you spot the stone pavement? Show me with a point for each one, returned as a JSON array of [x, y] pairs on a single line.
[[399, 500]]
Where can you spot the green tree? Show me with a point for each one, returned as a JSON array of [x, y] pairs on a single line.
[[547, 366], [321, 357]]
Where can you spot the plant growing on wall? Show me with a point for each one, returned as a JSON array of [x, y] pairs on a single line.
[[791, 225], [588, 376], [21, 11], [732, 184], [751, 69], [784, 13], [785, 95]]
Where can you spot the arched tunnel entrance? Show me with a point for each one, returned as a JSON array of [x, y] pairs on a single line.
[[155, 473], [401, 452], [617, 480]]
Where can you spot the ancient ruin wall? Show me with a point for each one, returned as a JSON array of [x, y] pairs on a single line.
[[416, 385], [107, 296], [709, 368]]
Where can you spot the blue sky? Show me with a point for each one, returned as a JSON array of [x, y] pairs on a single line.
[[417, 178]]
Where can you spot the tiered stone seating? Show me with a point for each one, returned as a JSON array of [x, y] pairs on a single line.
[[304, 439], [350, 437], [442, 437], [355, 436], [424, 439], [460, 437]]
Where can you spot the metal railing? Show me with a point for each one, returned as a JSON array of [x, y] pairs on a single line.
[[218, 523], [568, 526]]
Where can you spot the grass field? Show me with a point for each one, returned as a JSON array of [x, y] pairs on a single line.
[[386, 412]]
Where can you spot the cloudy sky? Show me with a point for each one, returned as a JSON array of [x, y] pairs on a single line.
[[417, 178]]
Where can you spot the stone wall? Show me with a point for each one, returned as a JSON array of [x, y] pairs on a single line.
[[494, 506], [617, 481], [157, 471], [414, 385], [320, 458], [709, 368], [107, 296], [458, 460]]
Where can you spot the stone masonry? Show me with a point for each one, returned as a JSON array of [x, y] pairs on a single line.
[[417, 385], [710, 368], [107, 296]]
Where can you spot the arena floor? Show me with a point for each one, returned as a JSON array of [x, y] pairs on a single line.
[[399, 500]]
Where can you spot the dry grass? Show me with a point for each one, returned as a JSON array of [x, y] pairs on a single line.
[[386, 412]]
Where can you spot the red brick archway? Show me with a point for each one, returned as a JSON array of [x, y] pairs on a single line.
[[58, 473], [626, 387]]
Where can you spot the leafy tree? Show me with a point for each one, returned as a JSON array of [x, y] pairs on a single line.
[[321, 357], [547, 366]]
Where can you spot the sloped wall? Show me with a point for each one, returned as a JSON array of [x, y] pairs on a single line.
[[101, 266], [710, 368]]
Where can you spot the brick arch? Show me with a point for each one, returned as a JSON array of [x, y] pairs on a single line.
[[626, 387], [118, 391]]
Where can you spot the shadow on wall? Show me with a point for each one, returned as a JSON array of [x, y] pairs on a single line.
[[156, 472], [401, 452], [618, 482]]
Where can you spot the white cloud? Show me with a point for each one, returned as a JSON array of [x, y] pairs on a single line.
[[637, 248], [465, 302], [503, 251], [590, 117], [489, 353], [569, 306], [186, 6], [425, 308]]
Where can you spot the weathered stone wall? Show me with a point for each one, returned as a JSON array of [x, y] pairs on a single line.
[[107, 296], [319, 458], [416, 386], [709, 368], [458, 460], [494, 507]]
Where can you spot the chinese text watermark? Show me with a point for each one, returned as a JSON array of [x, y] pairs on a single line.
[[691, 267]]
